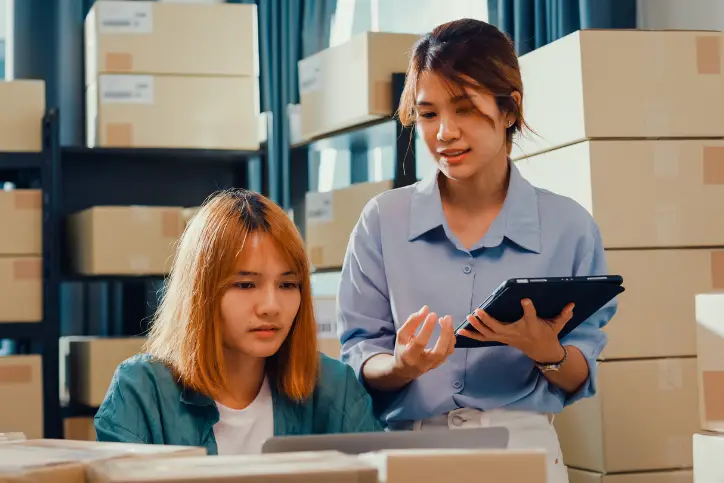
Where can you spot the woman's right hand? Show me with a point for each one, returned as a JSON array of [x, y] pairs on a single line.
[[412, 357]]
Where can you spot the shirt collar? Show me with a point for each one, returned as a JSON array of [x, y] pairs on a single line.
[[517, 221]]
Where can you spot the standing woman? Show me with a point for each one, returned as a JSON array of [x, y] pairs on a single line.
[[443, 244]]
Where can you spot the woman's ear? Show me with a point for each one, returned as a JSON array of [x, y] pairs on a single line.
[[516, 97]]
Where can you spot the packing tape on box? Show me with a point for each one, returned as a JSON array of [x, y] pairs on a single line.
[[666, 159], [671, 375], [27, 269], [141, 214], [656, 112], [316, 256], [713, 393], [717, 269], [119, 62], [119, 135], [139, 264], [171, 223], [708, 54], [28, 199], [16, 374], [713, 159]]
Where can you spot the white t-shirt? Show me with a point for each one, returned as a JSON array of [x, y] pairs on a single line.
[[243, 431]]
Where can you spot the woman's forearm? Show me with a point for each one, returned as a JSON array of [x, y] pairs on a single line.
[[572, 374]]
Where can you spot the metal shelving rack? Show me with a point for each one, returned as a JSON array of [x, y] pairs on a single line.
[[359, 140], [73, 179]]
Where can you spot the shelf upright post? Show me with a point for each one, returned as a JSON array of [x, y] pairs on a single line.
[[50, 181]]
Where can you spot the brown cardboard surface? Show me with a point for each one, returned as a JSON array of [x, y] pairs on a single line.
[[351, 83], [710, 361], [714, 165], [708, 452], [215, 40], [21, 117], [644, 327], [163, 111], [21, 396], [124, 240], [79, 429], [331, 217], [92, 361], [21, 287], [602, 74], [642, 193], [22, 217], [613, 432], [581, 476], [460, 466]]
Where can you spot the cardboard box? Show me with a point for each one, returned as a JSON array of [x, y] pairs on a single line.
[[21, 116], [622, 84], [21, 395], [325, 311], [79, 429], [330, 218], [163, 38], [54, 461], [323, 467], [708, 452], [21, 212], [351, 83], [710, 361], [92, 361], [124, 240], [643, 194], [460, 466], [152, 111], [643, 326], [21, 286], [581, 476], [641, 419]]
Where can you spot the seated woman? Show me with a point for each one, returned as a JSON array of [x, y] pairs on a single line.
[[232, 356]]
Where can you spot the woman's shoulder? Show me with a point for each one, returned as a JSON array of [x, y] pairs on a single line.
[[569, 213], [143, 370], [337, 379]]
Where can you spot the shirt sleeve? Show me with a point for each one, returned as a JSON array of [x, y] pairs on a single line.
[[363, 304], [589, 337]]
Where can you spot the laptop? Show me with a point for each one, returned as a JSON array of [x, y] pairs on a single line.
[[358, 443]]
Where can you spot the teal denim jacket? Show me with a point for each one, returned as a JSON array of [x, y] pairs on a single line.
[[145, 404]]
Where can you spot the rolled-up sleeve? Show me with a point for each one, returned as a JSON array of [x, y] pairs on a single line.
[[363, 305], [589, 337]]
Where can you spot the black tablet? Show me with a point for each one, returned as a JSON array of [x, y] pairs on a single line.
[[549, 297]]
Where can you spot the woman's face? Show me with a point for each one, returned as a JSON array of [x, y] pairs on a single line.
[[260, 305], [464, 130]]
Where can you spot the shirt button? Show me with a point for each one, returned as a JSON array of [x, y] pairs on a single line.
[[457, 384], [467, 269]]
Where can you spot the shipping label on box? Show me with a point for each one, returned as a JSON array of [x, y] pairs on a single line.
[[325, 311], [21, 285]]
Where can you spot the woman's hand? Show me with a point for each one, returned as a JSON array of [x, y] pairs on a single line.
[[412, 357], [537, 338]]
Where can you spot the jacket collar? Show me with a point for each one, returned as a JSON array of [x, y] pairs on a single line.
[[517, 221]]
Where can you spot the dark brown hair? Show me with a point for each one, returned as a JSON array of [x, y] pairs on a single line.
[[468, 53]]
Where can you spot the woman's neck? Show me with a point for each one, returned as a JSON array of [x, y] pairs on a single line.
[[485, 190], [244, 378]]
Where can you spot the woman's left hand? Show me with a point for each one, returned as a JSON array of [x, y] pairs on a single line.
[[537, 338]]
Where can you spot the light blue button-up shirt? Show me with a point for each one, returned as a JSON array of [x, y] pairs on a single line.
[[402, 255]]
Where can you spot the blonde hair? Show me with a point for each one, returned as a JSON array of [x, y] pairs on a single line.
[[186, 331]]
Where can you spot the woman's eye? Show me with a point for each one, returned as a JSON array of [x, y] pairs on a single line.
[[244, 285], [290, 285], [427, 115]]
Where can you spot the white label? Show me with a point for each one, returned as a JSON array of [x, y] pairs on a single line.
[[126, 89], [125, 17], [310, 75], [325, 311], [319, 207]]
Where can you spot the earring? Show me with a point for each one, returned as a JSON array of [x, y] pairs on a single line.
[[510, 124]]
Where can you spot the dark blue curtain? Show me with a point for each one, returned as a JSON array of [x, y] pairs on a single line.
[[535, 23]]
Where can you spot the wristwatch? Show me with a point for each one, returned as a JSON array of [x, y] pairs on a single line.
[[554, 367]]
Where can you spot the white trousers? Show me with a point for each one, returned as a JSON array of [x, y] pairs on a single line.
[[528, 430]]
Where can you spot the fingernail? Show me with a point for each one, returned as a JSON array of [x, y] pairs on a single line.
[[422, 310]]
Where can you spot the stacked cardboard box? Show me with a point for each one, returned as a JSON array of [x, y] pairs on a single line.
[[325, 311], [21, 116], [614, 133], [124, 240], [351, 83], [709, 444], [164, 75], [21, 395]]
